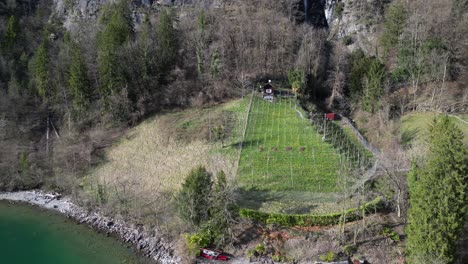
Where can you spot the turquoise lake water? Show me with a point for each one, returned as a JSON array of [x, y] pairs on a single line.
[[32, 235]]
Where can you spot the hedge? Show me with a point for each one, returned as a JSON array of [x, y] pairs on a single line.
[[313, 220]]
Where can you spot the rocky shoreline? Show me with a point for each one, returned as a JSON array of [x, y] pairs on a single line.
[[146, 241]]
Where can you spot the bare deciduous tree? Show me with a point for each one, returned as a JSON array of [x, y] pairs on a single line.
[[337, 77], [396, 164]]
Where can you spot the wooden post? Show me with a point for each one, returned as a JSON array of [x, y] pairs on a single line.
[[47, 135], [268, 165]]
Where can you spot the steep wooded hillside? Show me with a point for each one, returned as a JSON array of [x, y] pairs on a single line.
[[87, 85]]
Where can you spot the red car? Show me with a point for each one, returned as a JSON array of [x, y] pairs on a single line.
[[213, 254]]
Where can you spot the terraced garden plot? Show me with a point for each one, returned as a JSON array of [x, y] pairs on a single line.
[[283, 152]]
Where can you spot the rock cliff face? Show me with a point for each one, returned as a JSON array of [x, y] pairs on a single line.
[[316, 13], [357, 19], [329, 7], [75, 11], [310, 11]]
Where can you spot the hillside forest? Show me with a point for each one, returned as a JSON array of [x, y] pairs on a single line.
[[139, 84]]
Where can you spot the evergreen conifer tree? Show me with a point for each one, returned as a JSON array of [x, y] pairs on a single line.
[[167, 43], [194, 197], [78, 81], [374, 89], [118, 28], [220, 215], [438, 193], [11, 34], [41, 71], [394, 24], [359, 68]]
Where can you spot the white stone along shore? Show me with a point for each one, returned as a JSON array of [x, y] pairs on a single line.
[[148, 242]]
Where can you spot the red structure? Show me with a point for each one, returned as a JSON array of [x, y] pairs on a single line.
[[331, 116], [213, 254]]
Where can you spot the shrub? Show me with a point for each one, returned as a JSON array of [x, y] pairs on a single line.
[[388, 232], [280, 258], [347, 40], [330, 256], [350, 249], [202, 239], [339, 9], [261, 249], [251, 253]]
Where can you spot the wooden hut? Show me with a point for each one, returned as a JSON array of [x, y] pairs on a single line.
[[268, 92]]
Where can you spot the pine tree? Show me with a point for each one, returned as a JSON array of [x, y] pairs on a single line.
[[11, 34], [167, 43], [41, 71], [215, 64], [220, 211], [360, 67], [201, 43], [148, 56], [374, 88], [296, 79], [438, 193], [78, 81], [146, 49], [394, 24], [194, 197], [221, 182], [117, 30]]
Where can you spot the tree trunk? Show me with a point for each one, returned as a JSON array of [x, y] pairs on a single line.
[[398, 203]]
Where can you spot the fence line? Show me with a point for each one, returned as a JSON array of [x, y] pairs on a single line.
[[244, 131], [463, 121], [361, 138]]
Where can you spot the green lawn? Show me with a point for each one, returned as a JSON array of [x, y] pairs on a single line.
[[415, 126], [283, 152]]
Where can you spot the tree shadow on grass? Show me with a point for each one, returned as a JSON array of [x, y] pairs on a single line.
[[246, 143], [279, 202], [300, 209], [408, 136], [253, 198]]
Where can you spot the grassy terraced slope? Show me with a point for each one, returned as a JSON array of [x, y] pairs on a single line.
[[283, 152]]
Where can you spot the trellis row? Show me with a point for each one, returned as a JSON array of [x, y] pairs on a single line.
[[262, 114]]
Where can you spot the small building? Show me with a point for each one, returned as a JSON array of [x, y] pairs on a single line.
[[268, 92], [331, 116]]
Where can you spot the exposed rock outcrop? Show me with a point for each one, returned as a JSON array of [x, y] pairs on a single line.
[[310, 11], [316, 13], [150, 242], [355, 19], [329, 7], [75, 11]]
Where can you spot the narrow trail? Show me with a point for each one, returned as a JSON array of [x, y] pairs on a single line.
[[244, 131], [461, 120]]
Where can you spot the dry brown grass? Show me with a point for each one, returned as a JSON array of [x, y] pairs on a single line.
[[150, 162]]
